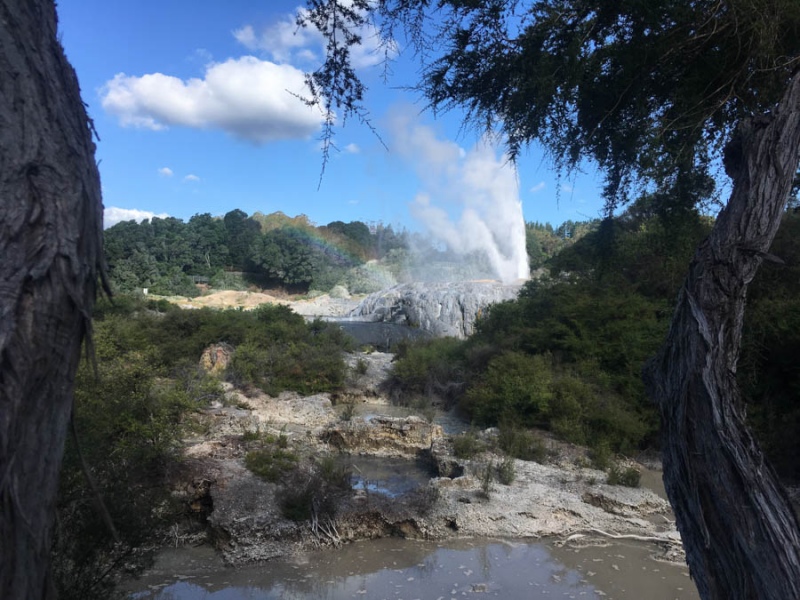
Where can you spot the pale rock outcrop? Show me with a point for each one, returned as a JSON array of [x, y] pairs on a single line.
[[384, 436], [216, 357], [441, 309]]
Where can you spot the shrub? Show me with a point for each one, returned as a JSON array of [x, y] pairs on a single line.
[[251, 435], [521, 443], [282, 442], [516, 385], [270, 463], [486, 476], [335, 472], [601, 455], [629, 477], [361, 367], [349, 411], [506, 471], [466, 445], [314, 492], [429, 368], [129, 427]]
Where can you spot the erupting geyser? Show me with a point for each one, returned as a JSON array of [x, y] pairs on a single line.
[[480, 190]]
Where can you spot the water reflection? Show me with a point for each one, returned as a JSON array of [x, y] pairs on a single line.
[[399, 569], [388, 476]]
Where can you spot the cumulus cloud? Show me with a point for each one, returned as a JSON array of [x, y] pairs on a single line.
[[285, 42], [538, 187], [113, 215], [352, 149], [478, 184], [191, 177], [246, 97], [165, 171]]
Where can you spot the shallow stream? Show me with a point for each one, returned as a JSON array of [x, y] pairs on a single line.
[[398, 569]]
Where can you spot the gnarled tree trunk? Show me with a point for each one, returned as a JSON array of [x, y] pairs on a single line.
[[50, 251], [741, 536]]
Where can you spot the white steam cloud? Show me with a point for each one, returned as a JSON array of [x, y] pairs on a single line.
[[481, 190]]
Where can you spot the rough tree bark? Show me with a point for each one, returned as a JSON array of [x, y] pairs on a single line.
[[50, 254], [741, 536]]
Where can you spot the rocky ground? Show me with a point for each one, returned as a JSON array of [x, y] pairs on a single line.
[[563, 498], [441, 309]]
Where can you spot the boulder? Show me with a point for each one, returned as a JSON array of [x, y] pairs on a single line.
[[215, 358], [384, 436]]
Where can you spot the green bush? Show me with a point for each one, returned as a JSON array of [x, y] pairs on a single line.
[[290, 355], [428, 368], [629, 477], [361, 367], [270, 463], [368, 278], [129, 426], [467, 445], [251, 435], [506, 471], [314, 492], [335, 472], [515, 385], [601, 455], [521, 443]]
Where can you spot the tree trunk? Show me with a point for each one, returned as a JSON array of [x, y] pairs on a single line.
[[50, 255], [741, 535]]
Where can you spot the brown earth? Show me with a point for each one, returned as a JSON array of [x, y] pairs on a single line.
[[323, 306]]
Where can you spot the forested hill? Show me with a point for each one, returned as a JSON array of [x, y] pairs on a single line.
[[169, 256]]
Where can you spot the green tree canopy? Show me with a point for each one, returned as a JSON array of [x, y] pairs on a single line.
[[650, 91]]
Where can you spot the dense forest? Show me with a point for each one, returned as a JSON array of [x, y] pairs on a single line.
[[169, 256]]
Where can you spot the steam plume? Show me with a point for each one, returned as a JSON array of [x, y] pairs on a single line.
[[479, 188]]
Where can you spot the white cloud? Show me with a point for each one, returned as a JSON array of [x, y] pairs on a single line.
[[246, 97], [113, 215], [566, 188], [352, 149], [285, 42], [191, 177], [165, 171], [538, 187]]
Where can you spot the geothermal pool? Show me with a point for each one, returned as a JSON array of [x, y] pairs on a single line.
[[398, 569]]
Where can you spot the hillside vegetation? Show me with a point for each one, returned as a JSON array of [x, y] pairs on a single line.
[[169, 256], [567, 355], [134, 408]]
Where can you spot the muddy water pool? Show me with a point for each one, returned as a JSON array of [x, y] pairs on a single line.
[[398, 569]]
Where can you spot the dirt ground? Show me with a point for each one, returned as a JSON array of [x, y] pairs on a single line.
[[320, 306]]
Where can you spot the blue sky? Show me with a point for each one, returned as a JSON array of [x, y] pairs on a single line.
[[191, 105]]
